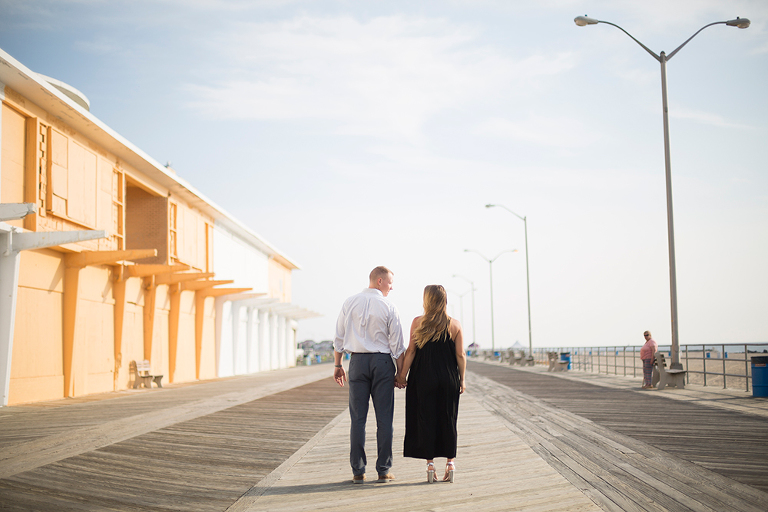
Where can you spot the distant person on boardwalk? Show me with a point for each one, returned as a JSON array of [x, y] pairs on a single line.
[[648, 354], [369, 329], [434, 365]]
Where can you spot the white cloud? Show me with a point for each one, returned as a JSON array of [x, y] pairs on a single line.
[[561, 132], [760, 49], [706, 118], [383, 77]]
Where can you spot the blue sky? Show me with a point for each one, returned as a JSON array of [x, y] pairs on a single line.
[[355, 134]]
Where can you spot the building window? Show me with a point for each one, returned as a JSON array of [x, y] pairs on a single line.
[[173, 235]]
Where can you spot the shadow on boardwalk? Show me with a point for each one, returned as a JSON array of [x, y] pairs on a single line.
[[279, 441]]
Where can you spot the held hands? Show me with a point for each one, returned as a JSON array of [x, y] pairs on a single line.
[[340, 376], [400, 381]]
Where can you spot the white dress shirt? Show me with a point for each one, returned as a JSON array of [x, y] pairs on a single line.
[[368, 322]]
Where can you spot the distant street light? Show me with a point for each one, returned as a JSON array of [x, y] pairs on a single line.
[[490, 266], [472, 284], [461, 303], [527, 278], [583, 21]]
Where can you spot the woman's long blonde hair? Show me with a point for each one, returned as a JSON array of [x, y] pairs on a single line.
[[435, 321]]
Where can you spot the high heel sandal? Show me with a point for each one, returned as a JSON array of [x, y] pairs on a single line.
[[430, 472], [450, 467]]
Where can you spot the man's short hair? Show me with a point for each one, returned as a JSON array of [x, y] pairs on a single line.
[[378, 272]]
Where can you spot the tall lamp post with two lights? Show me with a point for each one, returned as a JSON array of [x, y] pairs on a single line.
[[527, 278], [490, 266], [583, 21]]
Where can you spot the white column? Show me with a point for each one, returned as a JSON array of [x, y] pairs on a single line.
[[263, 340], [274, 356], [292, 325], [11, 244], [282, 342], [9, 281], [241, 361], [235, 335], [250, 340]]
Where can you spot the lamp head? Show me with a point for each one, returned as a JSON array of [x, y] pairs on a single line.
[[489, 205], [738, 22], [585, 20]]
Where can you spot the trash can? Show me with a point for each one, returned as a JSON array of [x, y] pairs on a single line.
[[760, 376], [566, 356]]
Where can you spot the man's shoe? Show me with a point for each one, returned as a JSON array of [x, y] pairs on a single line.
[[358, 479], [386, 478]]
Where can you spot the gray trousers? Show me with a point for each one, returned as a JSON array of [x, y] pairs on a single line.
[[371, 376]]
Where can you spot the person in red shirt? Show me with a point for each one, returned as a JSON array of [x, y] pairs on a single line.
[[647, 354]]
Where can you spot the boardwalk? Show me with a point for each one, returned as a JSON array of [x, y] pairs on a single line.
[[279, 441]]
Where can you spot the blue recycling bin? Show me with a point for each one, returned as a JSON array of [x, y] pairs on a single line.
[[566, 356], [760, 376]]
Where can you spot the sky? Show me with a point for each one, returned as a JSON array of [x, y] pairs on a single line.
[[351, 134]]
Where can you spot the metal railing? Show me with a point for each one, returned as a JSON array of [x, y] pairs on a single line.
[[727, 364]]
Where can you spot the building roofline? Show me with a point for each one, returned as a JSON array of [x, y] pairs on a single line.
[[37, 89]]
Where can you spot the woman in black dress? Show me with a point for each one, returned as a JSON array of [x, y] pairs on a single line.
[[436, 360]]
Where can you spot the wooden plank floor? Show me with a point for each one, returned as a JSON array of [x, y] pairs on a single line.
[[280, 441], [496, 471], [202, 463], [634, 450], [29, 422]]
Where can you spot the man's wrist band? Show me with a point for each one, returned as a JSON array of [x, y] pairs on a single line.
[[337, 366]]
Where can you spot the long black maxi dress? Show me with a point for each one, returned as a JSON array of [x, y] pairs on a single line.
[[432, 401]]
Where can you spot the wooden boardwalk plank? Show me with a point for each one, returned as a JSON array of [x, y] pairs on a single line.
[[280, 441], [204, 463], [496, 470], [63, 432], [593, 452]]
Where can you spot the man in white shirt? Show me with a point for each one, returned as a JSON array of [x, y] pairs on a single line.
[[369, 328]]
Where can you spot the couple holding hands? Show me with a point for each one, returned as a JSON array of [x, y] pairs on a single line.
[[431, 370]]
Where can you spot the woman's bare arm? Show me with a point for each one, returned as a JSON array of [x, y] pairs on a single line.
[[461, 357], [410, 353]]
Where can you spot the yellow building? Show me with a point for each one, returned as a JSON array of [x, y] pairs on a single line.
[[135, 279]]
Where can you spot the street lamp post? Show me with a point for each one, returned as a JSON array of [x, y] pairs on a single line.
[[490, 266], [662, 58], [461, 302], [527, 278], [472, 284]]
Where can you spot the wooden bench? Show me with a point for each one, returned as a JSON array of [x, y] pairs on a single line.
[[555, 364], [521, 360], [667, 377], [142, 376]]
